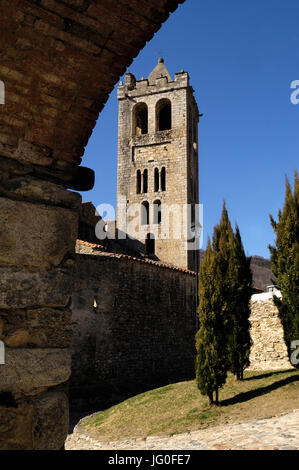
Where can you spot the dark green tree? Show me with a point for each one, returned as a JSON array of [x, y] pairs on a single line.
[[285, 263], [225, 287], [211, 366], [240, 286]]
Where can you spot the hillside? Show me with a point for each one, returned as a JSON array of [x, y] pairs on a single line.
[[261, 271], [180, 408]]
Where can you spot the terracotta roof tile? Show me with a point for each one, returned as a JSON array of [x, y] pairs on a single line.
[[91, 245], [159, 264]]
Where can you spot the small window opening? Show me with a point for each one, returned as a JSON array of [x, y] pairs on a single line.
[[163, 115], [150, 245], [140, 119], [163, 179], [157, 212], [145, 213], [145, 181]]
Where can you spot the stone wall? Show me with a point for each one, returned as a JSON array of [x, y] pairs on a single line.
[[134, 328], [36, 272], [59, 62], [268, 351]]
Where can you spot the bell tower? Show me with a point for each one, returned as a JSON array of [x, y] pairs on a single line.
[[157, 187]]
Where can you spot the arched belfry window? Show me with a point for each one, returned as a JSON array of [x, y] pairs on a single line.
[[163, 179], [140, 119], [150, 245], [145, 181], [138, 182], [163, 115], [157, 212], [156, 178], [144, 213]]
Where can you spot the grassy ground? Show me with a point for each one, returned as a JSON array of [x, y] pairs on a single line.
[[180, 407]]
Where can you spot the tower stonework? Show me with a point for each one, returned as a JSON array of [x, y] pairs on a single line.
[[158, 164]]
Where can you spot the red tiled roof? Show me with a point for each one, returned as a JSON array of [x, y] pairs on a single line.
[[258, 288], [159, 264], [91, 245]]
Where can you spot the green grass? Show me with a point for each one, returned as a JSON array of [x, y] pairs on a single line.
[[179, 408]]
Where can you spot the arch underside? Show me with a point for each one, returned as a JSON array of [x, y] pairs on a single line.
[[59, 62]]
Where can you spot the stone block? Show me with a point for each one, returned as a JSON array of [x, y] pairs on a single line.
[[52, 234], [17, 338], [46, 327], [28, 370], [51, 421], [16, 426], [30, 188], [20, 289]]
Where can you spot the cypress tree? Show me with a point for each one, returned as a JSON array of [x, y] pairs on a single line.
[[223, 246], [225, 287], [236, 291], [285, 263], [211, 367], [240, 285]]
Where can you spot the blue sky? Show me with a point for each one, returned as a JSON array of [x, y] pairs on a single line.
[[241, 58]]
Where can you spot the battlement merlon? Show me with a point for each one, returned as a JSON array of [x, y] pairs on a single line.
[[133, 88]]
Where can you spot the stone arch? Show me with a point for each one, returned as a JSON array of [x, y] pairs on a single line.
[[140, 119], [144, 214], [75, 54], [163, 115], [157, 212]]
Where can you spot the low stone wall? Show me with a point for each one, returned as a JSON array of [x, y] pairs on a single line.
[[134, 324], [268, 351]]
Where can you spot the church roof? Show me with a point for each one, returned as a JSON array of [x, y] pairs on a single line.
[[100, 250], [159, 71]]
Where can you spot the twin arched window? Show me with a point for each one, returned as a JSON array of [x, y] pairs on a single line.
[[159, 180], [145, 213], [163, 117], [141, 182]]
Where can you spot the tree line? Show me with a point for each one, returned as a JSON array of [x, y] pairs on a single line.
[[225, 287]]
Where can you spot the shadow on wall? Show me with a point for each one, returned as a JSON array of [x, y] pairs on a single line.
[[134, 326]]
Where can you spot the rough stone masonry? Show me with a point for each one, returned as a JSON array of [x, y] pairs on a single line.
[[158, 162], [59, 62], [134, 325], [269, 351]]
